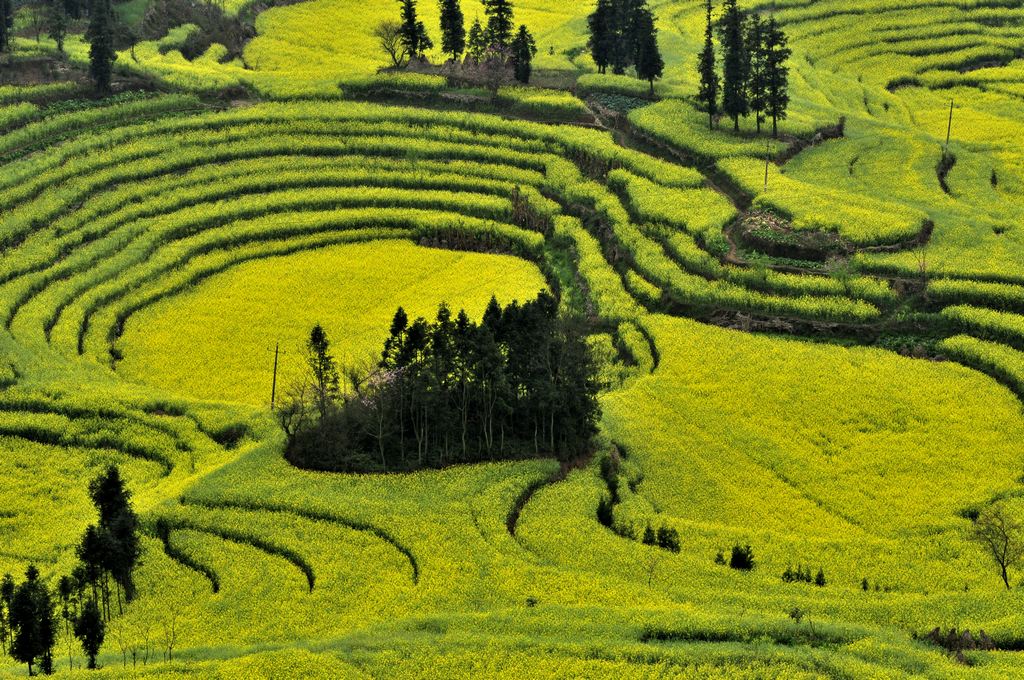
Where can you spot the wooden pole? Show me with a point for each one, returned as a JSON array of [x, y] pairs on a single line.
[[949, 126], [273, 385], [767, 160]]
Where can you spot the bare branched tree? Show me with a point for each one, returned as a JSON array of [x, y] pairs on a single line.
[[389, 37], [1002, 535]]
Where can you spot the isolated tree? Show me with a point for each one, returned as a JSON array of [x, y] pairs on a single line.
[[389, 38], [323, 371], [601, 27], [1002, 535], [649, 64], [90, 630], [476, 43], [734, 63], [709, 82], [56, 22], [499, 22], [523, 50], [101, 44], [453, 29], [6, 24], [31, 618], [757, 69], [776, 53]]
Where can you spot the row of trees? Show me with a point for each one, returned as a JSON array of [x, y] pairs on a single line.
[[520, 383], [755, 78], [496, 45], [109, 551], [53, 17], [623, 34]]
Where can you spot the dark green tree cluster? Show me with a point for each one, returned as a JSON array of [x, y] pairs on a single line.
[[802, 574], [496, 44], [110, 549], [755, 78], [663, 537], [519, 383], [28, 626], [623, 34], [741, 557], [413, 32]]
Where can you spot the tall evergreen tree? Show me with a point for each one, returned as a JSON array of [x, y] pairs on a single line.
[[602, 30], [32, 621], [499, 22], [620, 53], [323, 370], [453, 29], [757, 71], [414, 34], [776, 53], [709, 83], [90, 630], [7, 590], [523, 50], [649, 64], [101, 44], [6, 24], [477, 42], [732, 35]]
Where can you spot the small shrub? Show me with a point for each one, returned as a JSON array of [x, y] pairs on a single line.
[[650, 538], [604, 512], [668, 538], [819, 579], [742, 558], [720, 558]]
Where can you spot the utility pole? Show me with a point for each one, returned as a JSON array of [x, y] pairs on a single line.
[[273, 385], [949, 127]]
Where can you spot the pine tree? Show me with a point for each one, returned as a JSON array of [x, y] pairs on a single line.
[[734, 67], [89, 629], [323, 370], [499, 22], [101, 44], [757, 80], [6, 24], [412, 29], [31, 618], [7, 589], [423, 40], [776, 53], [601, 34], [453, 29], [621, 50], [709, 83], [649, 64], [477, 43], [523, 50]]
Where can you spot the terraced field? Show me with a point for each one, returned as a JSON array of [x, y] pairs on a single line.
[[157, 247]]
